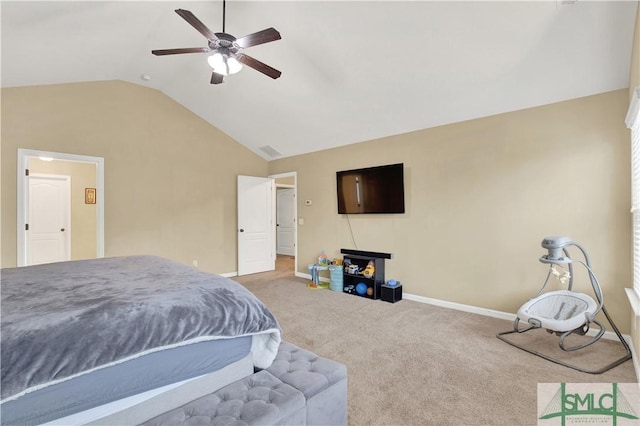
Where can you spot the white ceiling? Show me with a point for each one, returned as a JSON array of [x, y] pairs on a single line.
[[351, 70]]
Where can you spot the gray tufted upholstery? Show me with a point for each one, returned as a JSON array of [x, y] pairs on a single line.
[[305, 371], [258, 399], [298, 388]]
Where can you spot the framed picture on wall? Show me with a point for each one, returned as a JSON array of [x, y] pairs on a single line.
[[89, 195]]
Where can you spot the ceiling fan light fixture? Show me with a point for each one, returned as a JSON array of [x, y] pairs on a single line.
[[216, 60], [234, 65], [224, 64]]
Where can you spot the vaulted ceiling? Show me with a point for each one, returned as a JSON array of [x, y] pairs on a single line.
[[351, 70]]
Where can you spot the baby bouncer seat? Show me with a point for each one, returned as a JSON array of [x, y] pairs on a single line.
[[565, 312]]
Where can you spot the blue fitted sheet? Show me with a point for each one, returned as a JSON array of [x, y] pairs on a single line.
[[123, 380]]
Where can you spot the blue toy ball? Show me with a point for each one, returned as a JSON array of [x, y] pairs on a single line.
[[361, 289]]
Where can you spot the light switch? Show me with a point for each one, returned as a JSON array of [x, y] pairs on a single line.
[[300, 221]]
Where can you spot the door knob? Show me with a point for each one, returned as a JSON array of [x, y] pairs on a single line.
[[241, 230], [61, 229]]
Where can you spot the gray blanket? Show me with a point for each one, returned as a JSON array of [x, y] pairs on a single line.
[[64, 319]]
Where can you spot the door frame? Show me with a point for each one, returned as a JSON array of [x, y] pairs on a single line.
[[295, 212], [23, 164]]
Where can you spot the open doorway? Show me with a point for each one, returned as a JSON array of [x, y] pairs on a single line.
[[286, 222], [79, 229]]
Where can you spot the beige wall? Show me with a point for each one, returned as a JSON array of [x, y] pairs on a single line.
[[634, 73], [170, 177], [289, 180], [83, 216], [480, 196], [634, 82]]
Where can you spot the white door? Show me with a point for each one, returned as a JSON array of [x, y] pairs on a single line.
[[256, 231], [285, 221], [48, 219]]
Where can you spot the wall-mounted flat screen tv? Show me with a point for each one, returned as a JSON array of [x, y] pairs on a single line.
[[371, 190]]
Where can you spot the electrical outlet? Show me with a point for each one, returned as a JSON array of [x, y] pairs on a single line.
[[195, 263]]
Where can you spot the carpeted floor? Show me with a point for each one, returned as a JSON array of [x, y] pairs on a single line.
[[415, 364]]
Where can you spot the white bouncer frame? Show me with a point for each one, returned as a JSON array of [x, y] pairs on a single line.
[[565, 312]]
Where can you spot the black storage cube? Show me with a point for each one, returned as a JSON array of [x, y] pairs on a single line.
[[391, 293]]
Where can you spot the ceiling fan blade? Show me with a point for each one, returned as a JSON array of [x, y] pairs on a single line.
[[261, 37], [196, 23], [258, 66], [216, 78], [160, 52]]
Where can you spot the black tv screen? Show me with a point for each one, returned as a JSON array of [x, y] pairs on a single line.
[[371, 190]]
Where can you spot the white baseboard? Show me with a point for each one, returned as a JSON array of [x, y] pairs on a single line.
[[307, 276], [297, 274], [460, 307], [634, 301], [636, 362]]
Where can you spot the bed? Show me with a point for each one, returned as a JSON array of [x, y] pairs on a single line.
[[120, 340]]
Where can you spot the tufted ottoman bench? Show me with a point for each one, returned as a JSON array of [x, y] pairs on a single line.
[[322, 381], [299, 388]]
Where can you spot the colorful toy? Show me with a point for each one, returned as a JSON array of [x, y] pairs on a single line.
[[323, 260], [352, 269], [361, 289], [369, 270]]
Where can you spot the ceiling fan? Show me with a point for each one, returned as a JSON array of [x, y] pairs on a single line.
[[226, 58]]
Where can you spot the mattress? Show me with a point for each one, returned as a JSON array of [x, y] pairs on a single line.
[[81, 334], [114, 383], [140, 408]]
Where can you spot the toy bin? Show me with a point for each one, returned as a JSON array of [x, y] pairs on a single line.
[[335, 277], [391, 291]]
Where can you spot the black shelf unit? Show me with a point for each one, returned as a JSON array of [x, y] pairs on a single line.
[[362, 259]]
